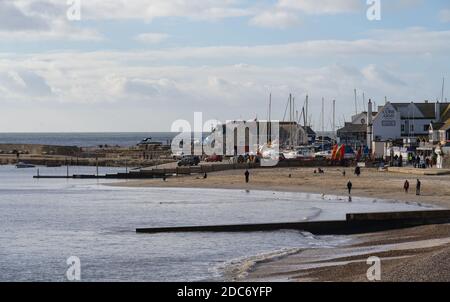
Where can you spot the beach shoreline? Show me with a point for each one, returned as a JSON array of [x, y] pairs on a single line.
[[406, 255], [371, 184]]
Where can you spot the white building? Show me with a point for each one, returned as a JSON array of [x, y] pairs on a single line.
[[406, 120], [398, 121]]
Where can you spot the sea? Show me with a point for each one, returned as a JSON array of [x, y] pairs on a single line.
[[47, 223], [91, 139], [86, 139]]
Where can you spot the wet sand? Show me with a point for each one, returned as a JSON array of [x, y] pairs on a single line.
[[409, 255], [371, 183], [414, 254]]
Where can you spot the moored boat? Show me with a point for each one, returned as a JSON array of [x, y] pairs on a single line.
[[22, 165]]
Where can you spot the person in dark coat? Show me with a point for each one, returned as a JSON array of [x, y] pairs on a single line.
[[358, 171], [406, 186], [349, 187], [418, 184], [247, 176]]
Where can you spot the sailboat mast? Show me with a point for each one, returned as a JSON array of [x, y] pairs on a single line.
[[364, 101], [323, 122], [306, 111], [356, 104], [294, 119], [270, 117], [442, 95], [290, 119], [304, 117], [334, 118]]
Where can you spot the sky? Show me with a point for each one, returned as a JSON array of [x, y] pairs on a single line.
[[139, 65]]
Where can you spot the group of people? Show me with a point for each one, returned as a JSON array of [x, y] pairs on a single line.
[[405, 187], [398, 161], [418, 185], [349, 183], [319, 170], [417, 161], [421, 161]]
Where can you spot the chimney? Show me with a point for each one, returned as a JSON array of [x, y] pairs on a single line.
[[437, 111]]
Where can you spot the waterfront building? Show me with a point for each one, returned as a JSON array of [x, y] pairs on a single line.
[[408, 122]]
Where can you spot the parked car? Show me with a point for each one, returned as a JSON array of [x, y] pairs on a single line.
[[177, 155], [189, 160], [214, 158]]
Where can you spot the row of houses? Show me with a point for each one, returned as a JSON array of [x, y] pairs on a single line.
[[402, 122]]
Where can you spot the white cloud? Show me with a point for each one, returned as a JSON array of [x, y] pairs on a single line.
[[146, 92], [71, 76], [412, 41], [151, 38], [379, 76], [223, 81], [29, 20], [444, 15], [277, 19], [286, 13], [24, 83], [323, 6], [13, 19], [148, 10]]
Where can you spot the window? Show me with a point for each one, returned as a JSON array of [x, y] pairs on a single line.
[[426, 128], [403, 128], [412, 128]]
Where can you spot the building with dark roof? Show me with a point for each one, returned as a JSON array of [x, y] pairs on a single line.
[[396, 121], [408, 120], [353, 134], [439, 133]]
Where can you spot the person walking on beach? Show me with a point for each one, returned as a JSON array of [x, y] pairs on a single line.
[[247, 176], [357, 171], [418, 187], [406, 186], [349, 187]]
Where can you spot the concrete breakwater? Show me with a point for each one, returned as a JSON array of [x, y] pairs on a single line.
[[56, 160], [14, 149], [52, 155], [355, 223]]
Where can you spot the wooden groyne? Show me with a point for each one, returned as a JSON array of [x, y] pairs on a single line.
[[156, 172], [134, 175], [173, 170], [355, 223]]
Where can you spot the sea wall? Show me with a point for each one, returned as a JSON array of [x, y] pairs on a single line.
[[39, 149]]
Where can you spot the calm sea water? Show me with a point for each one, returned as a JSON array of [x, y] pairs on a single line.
[[43, 222], [85, 139]]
